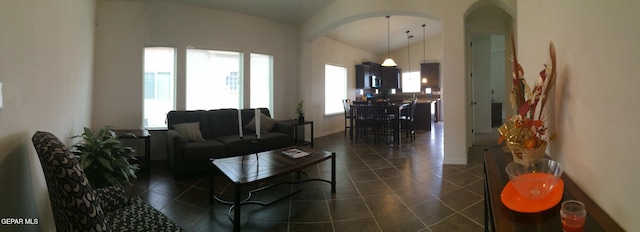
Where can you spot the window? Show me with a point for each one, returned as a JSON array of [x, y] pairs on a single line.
[[411, 82], [214, 79], [159, 86], [232, 81], [261, 81], [335, 89]]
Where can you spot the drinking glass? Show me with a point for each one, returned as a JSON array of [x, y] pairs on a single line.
[[573, 215]]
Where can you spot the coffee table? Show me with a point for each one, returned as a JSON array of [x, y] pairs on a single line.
[[264, 166]]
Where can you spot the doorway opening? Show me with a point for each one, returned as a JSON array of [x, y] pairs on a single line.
[[488, 92]]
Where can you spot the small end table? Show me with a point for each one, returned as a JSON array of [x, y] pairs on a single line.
[[295, 125], [139, 134]]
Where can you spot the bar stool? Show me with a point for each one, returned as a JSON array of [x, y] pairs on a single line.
[[407, 121], [348, 117]]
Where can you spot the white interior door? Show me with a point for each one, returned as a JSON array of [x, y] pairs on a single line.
[[481, 70]]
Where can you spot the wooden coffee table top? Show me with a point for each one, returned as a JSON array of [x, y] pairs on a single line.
[[269, 164]]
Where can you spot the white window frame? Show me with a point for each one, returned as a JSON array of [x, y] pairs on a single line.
[[156, 109], [259, 79], [335, 88], [207, 77]]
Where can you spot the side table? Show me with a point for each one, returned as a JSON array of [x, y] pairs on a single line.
[[295, 125], [139, 134], [499, 218]]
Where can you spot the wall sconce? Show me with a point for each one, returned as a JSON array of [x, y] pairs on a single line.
[[393, 91], [361, 91], [424, 80], [376, 91]]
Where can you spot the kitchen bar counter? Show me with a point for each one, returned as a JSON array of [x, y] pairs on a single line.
[[424, 115]]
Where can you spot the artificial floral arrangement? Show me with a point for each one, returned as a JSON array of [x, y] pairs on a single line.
[[525, 134]]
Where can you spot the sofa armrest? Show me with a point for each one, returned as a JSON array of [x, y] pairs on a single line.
[[111, 198], [175, 150], [283, 128]]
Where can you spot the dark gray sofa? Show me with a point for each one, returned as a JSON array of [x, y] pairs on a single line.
[[220, 138]]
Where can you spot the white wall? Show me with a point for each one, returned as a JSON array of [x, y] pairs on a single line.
[[596, 107], [124, 28], [46, 65], [327, 51]]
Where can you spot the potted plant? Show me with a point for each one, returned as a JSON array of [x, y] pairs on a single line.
[[103, 158], [299, 111], [384, 94]]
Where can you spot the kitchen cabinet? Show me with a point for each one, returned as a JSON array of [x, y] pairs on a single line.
[[431, 71], [368, 76], [363, 73], [390, 77]]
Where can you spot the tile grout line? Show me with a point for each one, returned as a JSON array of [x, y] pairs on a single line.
[[360, 193]]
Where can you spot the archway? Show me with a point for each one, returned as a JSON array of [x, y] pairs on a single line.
[[488, 23]]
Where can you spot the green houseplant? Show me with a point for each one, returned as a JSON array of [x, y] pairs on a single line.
[[103, 158], [299, 111]]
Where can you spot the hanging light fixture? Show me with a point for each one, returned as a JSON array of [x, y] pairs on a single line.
[[388, 62], [408, 52], [424, 51], [424, 44]]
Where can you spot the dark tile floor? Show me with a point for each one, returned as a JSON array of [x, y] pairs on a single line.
[[379, 188]]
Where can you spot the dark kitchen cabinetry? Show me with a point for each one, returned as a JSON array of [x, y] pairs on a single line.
[[371, 75], [374, 68], [390, 77], [431, 71], [368, 75], [362, 76]]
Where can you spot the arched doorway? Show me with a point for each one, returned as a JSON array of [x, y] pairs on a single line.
[[488, 26]]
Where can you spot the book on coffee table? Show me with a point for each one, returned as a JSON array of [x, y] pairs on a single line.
[[295, 153]]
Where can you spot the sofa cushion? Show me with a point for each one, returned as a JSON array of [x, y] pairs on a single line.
[[177, 117], [204, 150], [266, 124], [236, 146], [189, 131], [222, 122], [275, 140]]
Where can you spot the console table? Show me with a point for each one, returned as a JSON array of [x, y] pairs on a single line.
[[500, 218]]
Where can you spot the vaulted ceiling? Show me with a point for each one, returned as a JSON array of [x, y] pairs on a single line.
[[367, 34]]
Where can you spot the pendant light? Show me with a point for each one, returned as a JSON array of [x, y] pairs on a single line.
[[388, 62], [424, 44], [424, 51], [408, 52]]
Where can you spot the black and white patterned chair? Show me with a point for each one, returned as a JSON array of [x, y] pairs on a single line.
[[78, 207]]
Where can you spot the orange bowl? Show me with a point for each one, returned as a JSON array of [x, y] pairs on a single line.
[[537, 180]]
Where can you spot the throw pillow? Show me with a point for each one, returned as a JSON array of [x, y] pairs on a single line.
[[266, 124], [189, 131]]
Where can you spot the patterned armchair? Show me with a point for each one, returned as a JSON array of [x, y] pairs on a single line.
[[78, 207]]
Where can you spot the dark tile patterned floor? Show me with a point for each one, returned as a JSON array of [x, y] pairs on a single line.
[[379, 188]]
